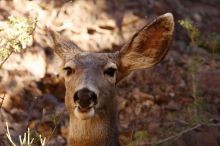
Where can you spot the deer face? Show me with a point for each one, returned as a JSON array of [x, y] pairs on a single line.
[[90, 78]]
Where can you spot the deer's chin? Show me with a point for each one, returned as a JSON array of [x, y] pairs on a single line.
[[85, 114]]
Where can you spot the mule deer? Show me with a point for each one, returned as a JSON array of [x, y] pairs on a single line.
[[91, 78]]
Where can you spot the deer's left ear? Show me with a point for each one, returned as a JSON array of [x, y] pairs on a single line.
[[147, 47]]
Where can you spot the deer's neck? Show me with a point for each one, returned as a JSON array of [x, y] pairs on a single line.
[[98, 131]]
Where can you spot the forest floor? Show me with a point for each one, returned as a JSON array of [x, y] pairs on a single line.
[[176, 103]]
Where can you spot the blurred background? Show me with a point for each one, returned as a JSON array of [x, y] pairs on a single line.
[[176, 103]]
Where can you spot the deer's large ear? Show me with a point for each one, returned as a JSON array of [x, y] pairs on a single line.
[[147, 47], [62, 47]]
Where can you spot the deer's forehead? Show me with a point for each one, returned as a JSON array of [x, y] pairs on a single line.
[[88, 59]]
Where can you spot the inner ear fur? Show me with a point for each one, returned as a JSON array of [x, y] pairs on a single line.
[[61, 45], [148, 46]]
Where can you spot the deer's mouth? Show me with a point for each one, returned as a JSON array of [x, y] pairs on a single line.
[[84, 113], [84, 110]]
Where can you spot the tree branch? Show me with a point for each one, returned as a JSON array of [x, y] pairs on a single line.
[[2, 98]]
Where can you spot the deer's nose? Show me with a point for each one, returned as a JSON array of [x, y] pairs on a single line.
[[85, 97]]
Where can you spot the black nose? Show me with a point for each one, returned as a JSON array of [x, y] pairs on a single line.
[[85, 97]]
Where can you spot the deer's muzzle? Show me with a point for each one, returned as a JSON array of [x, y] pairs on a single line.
[[85, 99]]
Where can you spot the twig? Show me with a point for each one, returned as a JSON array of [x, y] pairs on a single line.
[[5, 60], [213, 124], [2, 98], [178, 135], [9, 135]]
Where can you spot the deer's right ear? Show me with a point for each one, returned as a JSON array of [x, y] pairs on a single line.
[[147, 47], [61, 46]]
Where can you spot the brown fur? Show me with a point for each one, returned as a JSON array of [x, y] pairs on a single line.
[[150, 45], [146, 48], [98, 130]]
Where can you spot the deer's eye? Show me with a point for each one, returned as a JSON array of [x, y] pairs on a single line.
[[110, 71], [68, 70]]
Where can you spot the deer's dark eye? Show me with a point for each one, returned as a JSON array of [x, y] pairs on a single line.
[[110, 71], [68, 70]]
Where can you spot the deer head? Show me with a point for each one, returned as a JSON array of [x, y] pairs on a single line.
[[91, 78]]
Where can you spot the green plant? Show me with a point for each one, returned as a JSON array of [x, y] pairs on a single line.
[[192, 31], [139, 137], [193, 67], [15, 36], [209, 40], [197, 110]]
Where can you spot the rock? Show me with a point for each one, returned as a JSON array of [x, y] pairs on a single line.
[[210, 81], [173, 106], [58, 141], [7, 102], [155, 111], [153, 127], [18, 114]]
